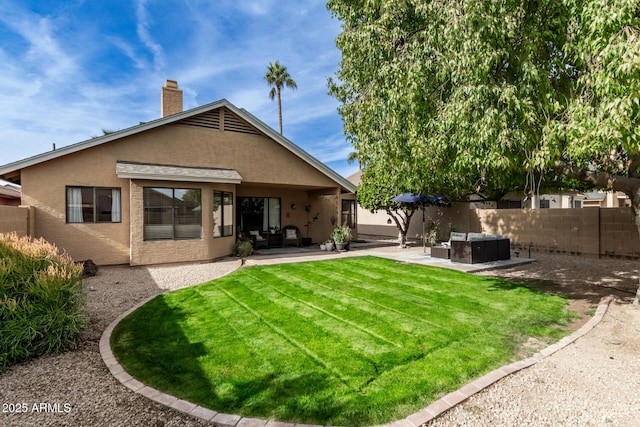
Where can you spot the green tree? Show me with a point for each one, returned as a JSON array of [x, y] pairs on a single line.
[[490, 96], [277, 76], [378, 185]]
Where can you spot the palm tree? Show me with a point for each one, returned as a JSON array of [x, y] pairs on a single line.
[[352, 157], [278, 76]]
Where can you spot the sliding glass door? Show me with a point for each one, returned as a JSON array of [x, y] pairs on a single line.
[[261, 213]]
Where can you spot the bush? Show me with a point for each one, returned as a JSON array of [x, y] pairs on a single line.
[[41, 300], [242, 248]]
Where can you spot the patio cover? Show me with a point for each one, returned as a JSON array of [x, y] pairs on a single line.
[[176, 173]]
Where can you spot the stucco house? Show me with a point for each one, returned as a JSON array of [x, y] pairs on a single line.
[[179, 188]]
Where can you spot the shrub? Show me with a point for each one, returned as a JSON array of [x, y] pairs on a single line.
[[242, 248], [41, 300]]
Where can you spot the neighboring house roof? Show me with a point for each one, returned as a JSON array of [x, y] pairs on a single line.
[[9, 192], [595, 195], [6, 171], [355, 178]]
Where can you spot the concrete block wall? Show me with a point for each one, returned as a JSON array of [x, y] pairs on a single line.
[[619, 234], [17, 219], [591, 232], [594, 232], [572, 231]]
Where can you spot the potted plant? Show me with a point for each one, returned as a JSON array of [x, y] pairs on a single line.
[[338, 238], [323, 246], [329, 245], [273, 229], [306, 241], [346, 232]]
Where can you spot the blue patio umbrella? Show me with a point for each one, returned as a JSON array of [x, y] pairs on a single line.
[[420, 200]]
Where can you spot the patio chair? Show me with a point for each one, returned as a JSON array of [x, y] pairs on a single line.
[[256, 238], [291, 235]]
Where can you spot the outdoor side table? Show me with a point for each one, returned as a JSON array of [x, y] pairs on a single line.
[[441, 252]]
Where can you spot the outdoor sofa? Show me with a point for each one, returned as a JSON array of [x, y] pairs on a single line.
[[474, 248]]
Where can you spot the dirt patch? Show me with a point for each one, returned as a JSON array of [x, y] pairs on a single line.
[[584, 281]]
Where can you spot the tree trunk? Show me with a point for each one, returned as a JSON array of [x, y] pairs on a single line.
[[402, 218], [279, 108]]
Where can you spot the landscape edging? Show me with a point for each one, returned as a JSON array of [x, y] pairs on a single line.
[[419, 418]]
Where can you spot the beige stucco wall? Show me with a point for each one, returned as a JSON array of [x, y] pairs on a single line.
[[44, 189], [267, 169], [456, 217], [168, 251], [16, 219]]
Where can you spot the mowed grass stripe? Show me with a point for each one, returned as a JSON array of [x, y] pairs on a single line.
[[401, 300], [248, 333], [287, 337], [327, 348], [435, 291], [418, 339], [360, 297], [385, 322], [448, 285], [331, 305], [380, 352], [302, 342]]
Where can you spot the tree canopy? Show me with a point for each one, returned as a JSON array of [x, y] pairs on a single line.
[[487, 95], [484, 96]]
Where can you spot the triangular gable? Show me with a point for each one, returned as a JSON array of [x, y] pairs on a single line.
[[235, 120]]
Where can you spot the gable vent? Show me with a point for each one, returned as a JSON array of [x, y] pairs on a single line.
[[233, 123], [210, 119]]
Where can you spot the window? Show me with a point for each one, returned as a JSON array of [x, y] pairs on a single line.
[[172, 213], [544, 204], [222, 214], [93, 204], [349, 213], [509, 204], [577, 204], [260, 212]]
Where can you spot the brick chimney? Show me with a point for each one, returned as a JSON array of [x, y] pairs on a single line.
[[170, 99]]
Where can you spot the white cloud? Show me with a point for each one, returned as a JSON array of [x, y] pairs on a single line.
[[79, 73], [128, 51], [257, 7], [144, 34]]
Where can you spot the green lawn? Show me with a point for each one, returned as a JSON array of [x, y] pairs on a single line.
[[354, 341]]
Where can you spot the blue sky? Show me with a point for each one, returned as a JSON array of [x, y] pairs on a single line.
[[73, 68]]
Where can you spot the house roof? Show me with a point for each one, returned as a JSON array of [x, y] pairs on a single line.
[[9, 192], [355, 178], [10, 171], [176, 173]]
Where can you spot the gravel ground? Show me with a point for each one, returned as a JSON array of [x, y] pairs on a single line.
[[593, 382], [79, 378]]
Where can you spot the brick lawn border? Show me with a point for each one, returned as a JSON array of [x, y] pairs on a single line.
[[421, 417]]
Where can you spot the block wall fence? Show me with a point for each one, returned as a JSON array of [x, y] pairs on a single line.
[[19, 219], [594, 232]]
